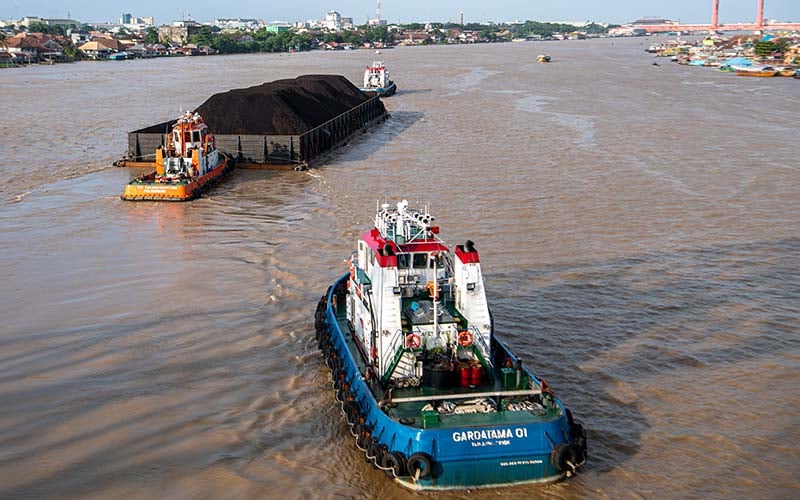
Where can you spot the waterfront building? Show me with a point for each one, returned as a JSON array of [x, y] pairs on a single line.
[[178, 32], [96, 49], [333, 21], [278, 27], [66, 23], [237, 23]]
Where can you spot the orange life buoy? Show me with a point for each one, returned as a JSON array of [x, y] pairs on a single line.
[[413, 341], [464, 338], [430, 288]]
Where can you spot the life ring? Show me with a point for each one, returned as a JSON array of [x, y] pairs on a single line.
[[419, 463], [464, 338], [352, 271], [413, 341]]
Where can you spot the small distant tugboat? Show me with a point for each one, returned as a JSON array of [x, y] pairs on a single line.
[[431, 396], [376, 80], [187, 165]]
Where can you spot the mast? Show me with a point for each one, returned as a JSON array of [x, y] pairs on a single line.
[[435, 295]]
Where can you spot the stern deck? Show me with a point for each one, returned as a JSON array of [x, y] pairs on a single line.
[[414, 406]]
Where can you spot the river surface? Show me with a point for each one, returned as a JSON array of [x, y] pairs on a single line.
[[639, 228]]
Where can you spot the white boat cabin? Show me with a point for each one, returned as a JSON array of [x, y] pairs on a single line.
[[408, 292], [376, 76], [190, 150]]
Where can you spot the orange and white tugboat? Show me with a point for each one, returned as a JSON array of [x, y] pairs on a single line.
[[188, 164]]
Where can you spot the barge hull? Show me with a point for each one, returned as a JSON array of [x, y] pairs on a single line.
[[269, 150]]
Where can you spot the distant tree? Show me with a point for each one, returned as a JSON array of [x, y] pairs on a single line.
[[152, 36], [332, 37], [203, 36], [70, 50], [489, 34], [40, 28], [782, 45], [595, 29], [764, 48], [378, 34], [351, 37]]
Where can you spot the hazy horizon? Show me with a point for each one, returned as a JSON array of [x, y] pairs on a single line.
[[407, 11]]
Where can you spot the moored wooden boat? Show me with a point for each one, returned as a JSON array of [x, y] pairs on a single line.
[[766, 71]]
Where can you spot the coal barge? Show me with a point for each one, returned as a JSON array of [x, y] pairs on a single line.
[[284, 124]]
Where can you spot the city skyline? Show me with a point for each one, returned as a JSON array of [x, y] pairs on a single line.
[[407, 11]]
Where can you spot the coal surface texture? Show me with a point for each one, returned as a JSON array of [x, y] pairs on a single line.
[[283, 107]]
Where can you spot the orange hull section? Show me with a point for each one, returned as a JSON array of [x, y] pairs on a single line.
[[163, 191], [756, 73]]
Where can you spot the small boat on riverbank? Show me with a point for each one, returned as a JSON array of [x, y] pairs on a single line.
[[543, 58], [764, 71], [377, 82], [188, 165], [430, 395]]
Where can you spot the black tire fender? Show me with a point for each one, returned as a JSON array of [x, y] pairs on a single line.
[[395, 462], [421, 462], [561, 454]]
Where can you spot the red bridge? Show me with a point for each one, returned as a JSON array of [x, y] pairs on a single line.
[[759, 25]]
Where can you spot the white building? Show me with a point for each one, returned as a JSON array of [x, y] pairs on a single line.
[[333, 21], [237, 23]]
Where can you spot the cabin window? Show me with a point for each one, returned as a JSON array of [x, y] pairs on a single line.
[[420, 260], [187, 137], [402, 261], [439, 260]]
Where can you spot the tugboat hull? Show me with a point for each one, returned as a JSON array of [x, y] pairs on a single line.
[[381, 92], [147, 188]]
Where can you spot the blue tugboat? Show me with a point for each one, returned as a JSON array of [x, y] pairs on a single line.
[[377, 82], [430, 395]]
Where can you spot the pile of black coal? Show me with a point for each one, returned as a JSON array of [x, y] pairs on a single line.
[[283, 107]]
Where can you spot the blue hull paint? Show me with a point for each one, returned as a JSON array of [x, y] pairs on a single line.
[[463, 457]]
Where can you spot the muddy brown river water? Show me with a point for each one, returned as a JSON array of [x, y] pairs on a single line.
[[638, 225]]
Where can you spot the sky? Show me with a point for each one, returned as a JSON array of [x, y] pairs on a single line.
[[404, 11]]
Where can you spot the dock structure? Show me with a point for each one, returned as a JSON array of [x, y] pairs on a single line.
[[758, 25]]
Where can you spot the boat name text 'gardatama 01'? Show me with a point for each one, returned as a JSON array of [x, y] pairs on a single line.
[[519, 432]]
